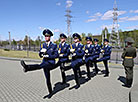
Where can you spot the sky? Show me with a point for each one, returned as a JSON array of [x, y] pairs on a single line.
[[30, 17]]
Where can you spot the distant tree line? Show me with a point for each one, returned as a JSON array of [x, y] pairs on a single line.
[[123, 35], [27, 40]]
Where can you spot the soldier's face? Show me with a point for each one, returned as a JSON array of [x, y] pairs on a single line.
[[63, 40], [76, 40], [95, 43], [88, 41], [47, 38], [105, 43]]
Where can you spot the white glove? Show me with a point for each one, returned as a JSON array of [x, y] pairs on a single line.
[[102, 50], [87, 54], [72, 50], [83, 58], [43, 50], [61, 55], [59, 51], [86, 51], [74, 54], [46, 56]]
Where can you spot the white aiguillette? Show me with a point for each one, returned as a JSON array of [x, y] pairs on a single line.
[[72, 50]]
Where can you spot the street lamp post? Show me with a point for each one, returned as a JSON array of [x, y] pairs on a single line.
[[28, 46]]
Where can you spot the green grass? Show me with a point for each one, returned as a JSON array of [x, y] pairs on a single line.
[[19, 54]]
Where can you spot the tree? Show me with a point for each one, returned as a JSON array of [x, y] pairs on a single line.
[[105, 30], [20, 42], [25, 41], [32, 42], [83, 36], [90, 35], [14, 42], [37, 41], [5, 43]]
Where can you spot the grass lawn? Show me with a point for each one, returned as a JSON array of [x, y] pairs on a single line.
[[19, 54]]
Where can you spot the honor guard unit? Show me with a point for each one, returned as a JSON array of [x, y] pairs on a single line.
[[48, 51], [128, 55], [77, 51]]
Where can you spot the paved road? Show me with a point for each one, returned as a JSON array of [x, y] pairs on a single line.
[[17, 86]]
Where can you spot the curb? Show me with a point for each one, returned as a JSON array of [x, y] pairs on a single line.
[[19, 59]]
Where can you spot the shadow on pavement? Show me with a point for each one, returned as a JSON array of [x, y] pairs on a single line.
[[58, 87], [82, 80]]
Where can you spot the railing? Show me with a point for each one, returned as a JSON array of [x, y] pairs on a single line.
[[115, 55]]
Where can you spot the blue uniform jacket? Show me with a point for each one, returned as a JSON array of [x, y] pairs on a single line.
[[107, 52], [65, 50], [91, 53], [77, 59], [97, 50], [78, 50], [51, 51]]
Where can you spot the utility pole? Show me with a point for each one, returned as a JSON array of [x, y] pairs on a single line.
[[68, 15], [10, 39], [105, 34], [114, 37], [28, 43]]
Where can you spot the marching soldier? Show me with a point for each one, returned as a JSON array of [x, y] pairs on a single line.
[[49, 52], [89, 52], [78, 53], [128, 55], [64, 51], [97, 53], [106, 51]]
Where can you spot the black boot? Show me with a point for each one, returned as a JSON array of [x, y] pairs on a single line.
[[25, 67], [88, 70], [128, 83], [76, 79], [63, 73], [77, 83], [106, 75], [63, 78]]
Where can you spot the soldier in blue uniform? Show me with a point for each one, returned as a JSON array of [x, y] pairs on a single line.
[[106, 51], [49, 52], [97, 49], [77, 56], [89, 52], [64, 51]]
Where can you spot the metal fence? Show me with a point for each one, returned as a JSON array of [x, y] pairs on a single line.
[[21, 47], [116, 56]]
